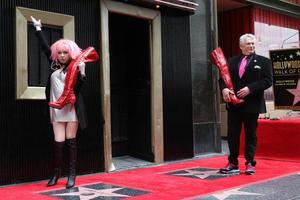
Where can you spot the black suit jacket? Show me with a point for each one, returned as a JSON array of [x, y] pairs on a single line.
[[257, 76]]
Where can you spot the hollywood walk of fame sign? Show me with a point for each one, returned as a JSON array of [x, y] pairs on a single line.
[[286, 78]]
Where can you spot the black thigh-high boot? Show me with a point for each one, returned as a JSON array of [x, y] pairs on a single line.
[[72, 146], [58, 157]]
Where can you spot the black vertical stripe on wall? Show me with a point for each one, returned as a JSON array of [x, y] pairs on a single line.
[[177, 88], [25, 132]]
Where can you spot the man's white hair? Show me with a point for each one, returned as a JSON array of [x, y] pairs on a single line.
[[247, 35]]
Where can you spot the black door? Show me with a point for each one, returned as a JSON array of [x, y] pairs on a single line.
[[130, 86]]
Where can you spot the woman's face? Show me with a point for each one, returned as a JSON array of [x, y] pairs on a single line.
[[63, 55]]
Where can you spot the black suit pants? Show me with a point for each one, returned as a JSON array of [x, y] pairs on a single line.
[[237, 120]]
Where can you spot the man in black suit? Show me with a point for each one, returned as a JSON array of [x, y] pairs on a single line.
[[251, 74]]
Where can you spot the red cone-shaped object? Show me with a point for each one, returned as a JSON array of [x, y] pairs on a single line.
[[68, 95], [218, 58]]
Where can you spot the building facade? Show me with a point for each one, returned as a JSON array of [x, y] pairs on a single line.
[[153, 94], [139, 97]]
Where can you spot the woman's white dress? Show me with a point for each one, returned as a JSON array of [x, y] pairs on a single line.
[[57, 86]]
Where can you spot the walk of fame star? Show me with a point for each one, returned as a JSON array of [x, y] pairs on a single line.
[[201, 173], [95, 191], [295, 92], [225, 194], [87, 193], [198, 174]]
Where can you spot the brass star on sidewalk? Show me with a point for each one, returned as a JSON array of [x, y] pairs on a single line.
[[225, 194], [198, 174], [88, 194]]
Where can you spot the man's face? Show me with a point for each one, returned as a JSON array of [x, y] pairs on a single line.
[[248, 47]]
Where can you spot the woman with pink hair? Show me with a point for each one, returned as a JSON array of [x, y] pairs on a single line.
[[67, 110], [72, 47]]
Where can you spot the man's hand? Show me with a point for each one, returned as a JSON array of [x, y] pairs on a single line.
[[36, 23], [242, 93], [226, 94]]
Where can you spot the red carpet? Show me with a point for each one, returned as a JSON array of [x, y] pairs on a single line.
[[277, 139], [159, 183]]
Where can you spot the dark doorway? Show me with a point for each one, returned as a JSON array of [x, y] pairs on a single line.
[[130, 86]]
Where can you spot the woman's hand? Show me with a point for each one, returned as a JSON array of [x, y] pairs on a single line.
[[36, 23]]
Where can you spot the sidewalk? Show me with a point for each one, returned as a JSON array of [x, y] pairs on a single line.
[[193, 179]]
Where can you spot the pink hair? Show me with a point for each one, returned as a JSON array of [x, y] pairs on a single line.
[[73, 48]]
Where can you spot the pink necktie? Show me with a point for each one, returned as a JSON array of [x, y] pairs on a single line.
[[243, 66]]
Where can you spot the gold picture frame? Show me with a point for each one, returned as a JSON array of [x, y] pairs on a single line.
[[23, 91]]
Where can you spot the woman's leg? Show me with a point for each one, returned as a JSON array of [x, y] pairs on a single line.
[[59, 143], [59, 129], [71, 130]]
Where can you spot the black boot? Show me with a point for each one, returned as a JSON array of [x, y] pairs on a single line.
[[72, 146], [58, 157]]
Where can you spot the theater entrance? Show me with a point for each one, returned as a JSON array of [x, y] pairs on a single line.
[[132, 84], [130, 87]]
